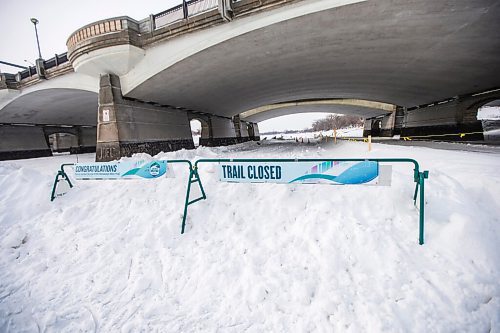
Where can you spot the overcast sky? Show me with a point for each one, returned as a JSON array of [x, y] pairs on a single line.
[[58, 19]]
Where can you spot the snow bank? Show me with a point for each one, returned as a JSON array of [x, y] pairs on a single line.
[[108, 255]]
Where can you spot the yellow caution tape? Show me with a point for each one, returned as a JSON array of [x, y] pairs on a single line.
[[433, 135]]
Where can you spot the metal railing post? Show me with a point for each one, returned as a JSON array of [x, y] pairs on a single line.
[[423, 176], [185, 9]]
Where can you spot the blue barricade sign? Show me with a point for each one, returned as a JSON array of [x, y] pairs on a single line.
[[121, 170], [327, 172]]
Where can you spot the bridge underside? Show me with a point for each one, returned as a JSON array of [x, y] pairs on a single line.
[[398, 52], [52, 106]]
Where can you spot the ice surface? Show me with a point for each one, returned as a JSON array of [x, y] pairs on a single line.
[[108, 255]]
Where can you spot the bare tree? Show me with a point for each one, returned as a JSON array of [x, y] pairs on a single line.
[[336, 121]]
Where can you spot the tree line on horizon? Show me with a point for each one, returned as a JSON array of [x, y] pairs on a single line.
[[330, 122]]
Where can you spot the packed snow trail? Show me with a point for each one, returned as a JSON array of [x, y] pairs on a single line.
[[108, 256]]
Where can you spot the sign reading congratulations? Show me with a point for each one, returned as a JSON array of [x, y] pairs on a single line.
[[327, 172], [120, 170]]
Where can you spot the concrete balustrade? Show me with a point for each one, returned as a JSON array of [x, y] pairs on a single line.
[[96, 29]]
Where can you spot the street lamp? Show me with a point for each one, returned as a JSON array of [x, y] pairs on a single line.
[[35, 22], [40, 63]]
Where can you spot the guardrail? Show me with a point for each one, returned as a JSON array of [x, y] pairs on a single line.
[[57, 60], [183, 11]]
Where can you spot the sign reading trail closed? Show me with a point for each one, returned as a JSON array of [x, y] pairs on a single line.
[[121, 170], [327, 172]]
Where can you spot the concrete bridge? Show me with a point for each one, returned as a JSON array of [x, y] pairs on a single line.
[[411, 68]]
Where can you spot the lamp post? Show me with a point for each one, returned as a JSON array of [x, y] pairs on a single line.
[[40, 63], [35, 22]]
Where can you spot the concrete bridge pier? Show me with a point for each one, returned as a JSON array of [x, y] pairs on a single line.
[[253, 131], [223, 131], [23, 141], [126, 126], [245, 131]]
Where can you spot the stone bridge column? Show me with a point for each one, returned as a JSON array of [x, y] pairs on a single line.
[[243, 129], [221, 132], [126, 127], [255, 130]]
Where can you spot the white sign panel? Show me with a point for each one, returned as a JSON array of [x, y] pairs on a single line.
[[105, 115], [325, 172], [120, 170]]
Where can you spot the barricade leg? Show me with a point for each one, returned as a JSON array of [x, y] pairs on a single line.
[[422, 177], [416, 192], [63, 176], [194, 177]]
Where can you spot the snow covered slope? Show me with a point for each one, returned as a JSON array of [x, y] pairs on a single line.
[[108, 256]]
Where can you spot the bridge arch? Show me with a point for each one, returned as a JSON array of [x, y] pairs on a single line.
[[362, 108], [69, 99], [55, 106]]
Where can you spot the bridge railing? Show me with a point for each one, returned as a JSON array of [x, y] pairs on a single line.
[[57, 60], [29, 72], [183, 11], [168, 16], [196, 7]]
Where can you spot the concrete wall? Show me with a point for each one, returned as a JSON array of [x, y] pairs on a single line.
[[223, 128], [222, 132], [18, 142], [88, 137], [126, 127], [62, 142], [454, 117], [387, 125], [86, 140]]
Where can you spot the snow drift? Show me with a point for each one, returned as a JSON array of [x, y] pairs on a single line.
[[108, 256]]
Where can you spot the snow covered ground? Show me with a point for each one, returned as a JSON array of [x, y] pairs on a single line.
[[108, 256]]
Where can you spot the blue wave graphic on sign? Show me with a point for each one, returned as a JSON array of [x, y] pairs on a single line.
[[359, 173], [153, 169]]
